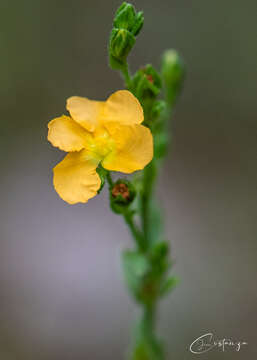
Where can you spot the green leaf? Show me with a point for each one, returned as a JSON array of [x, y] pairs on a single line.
[[159, 256], [160, 251], [159, 107], [102, 174], [168, 285], [138, 24], [135, 266]]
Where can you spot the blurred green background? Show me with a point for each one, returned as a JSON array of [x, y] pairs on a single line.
[[61, 289]]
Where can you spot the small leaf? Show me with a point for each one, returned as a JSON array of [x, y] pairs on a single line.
[[138, 24], [136, 266], [160, 250], [168, 285], [102, 174]]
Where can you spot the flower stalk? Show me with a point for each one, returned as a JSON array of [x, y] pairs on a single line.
[[147, 267]]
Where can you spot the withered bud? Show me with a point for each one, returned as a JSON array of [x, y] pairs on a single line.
[[150, 78], [122, 190], [121, 195]]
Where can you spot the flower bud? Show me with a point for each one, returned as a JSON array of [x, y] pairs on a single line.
[[121, 42], [146, 83], [125, 17], [172, 73], [126, 26], [121, 195], [138, 24], [123, 5]]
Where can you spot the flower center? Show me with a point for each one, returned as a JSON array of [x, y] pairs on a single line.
[[100, 144]]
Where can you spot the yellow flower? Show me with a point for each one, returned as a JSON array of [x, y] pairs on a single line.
[[107, 132]]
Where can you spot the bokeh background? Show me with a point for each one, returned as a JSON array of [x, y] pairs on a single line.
[[61, 290]]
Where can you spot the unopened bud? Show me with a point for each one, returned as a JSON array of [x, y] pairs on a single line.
[[146, 83], [172, 73], [122, 194], [120, 190], [126, 26], [125, 17], [138, 24], [121, 42]]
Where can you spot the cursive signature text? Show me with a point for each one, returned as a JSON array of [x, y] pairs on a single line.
[[207, 342]]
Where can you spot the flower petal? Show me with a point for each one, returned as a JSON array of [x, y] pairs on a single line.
[[66, 134], [85, 112], [124, 108], [75, 178], [134, 148]]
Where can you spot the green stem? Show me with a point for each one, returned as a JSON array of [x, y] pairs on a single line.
[[126, 75], [128, 217], [109, 179], [147, 346], [136, 233], [148, 320], [149, 175]]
